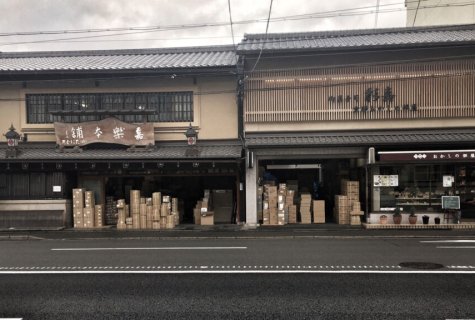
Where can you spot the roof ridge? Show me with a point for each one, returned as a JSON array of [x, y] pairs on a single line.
[[108, 52], [353, 32]]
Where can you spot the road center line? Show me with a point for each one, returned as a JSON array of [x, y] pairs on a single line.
[[150, 248], [448, 241], [456, 247]]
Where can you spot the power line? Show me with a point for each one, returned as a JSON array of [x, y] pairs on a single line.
[[341, 13], [267, 29], [415, 14], [204, 74], [174, 27], [340, 84], [376, 15], [391, 62], [232, 31]]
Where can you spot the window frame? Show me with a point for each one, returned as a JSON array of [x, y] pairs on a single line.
[[177, 106]]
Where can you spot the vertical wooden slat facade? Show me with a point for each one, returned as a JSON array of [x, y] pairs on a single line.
[[428, 90]]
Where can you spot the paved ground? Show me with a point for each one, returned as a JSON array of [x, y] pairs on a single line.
[[298, 273], [237, 296]]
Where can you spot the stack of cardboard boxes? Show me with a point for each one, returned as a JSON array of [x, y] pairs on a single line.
[[78, 208], [122, 215], [89, 203], [155, 213], [341, 209], [291, 207], [318, 211], [99, 218], [305, 204], [279, 208], [347, 204], [282, 207], [270, 205], [86, 214], [203, 212], [156, 206]]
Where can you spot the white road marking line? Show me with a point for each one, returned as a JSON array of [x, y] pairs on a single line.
[[448, 241], [11, 318], [150, 248], [245, 268], [239, 271], [455, 247]]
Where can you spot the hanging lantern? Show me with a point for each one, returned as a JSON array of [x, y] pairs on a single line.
[[191, 136], [12, 142]]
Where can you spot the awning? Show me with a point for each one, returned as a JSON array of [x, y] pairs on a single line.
[[361, 138], [44, 152]]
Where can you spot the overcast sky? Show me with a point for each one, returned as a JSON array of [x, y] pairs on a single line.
[[47, 15]]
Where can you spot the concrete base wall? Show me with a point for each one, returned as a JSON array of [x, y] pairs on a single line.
[[35, 213]]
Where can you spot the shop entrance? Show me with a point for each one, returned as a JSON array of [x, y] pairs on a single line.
[[188, 189], [321, 178]]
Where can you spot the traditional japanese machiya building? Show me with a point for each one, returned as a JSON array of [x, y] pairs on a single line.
[[114, 121], [392, 109]]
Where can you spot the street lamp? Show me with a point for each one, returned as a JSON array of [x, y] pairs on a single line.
[[191, 136], [12, 142]]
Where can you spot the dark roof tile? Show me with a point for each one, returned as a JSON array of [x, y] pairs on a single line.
[[47, 152], [369, 138], [138, 59], [410, 36]]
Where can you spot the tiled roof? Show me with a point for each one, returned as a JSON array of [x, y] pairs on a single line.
[[47, 152], [103, 60], [370, 138], [351, 39]]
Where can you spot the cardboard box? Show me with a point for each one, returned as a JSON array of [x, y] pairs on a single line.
[[280, 217], [293, 214], [99, 215], [273, 216], [89, 200], [208, 220], [266, 217], [197, 216], [318, 211]]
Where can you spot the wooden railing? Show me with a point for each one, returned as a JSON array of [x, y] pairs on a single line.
[[411, 91]]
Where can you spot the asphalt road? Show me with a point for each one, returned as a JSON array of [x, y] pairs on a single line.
[[345, 278], [348, 253], [238, 296]]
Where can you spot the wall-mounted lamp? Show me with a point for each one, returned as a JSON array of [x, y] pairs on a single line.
[[191, 136], [12, 143]]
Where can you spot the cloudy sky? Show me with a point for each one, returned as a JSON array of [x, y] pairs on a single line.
[[176, 23]]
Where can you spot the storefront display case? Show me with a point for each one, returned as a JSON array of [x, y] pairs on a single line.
[[420, 185]]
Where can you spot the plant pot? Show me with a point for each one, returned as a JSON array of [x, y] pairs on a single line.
[[437, 220], [412, 219], [383, 219], [397, 219], [425, 219]]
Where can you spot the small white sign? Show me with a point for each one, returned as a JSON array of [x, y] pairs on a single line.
[[394, 180], [385, 180], [56, 188], [447, 181]]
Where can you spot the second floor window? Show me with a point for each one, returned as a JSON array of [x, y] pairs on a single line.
[[168, 106]]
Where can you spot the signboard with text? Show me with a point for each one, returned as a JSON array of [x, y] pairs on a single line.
[[423, 156], [385, 180], [110, 130]]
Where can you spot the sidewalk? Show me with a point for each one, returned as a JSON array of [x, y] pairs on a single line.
[[328, 230]]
